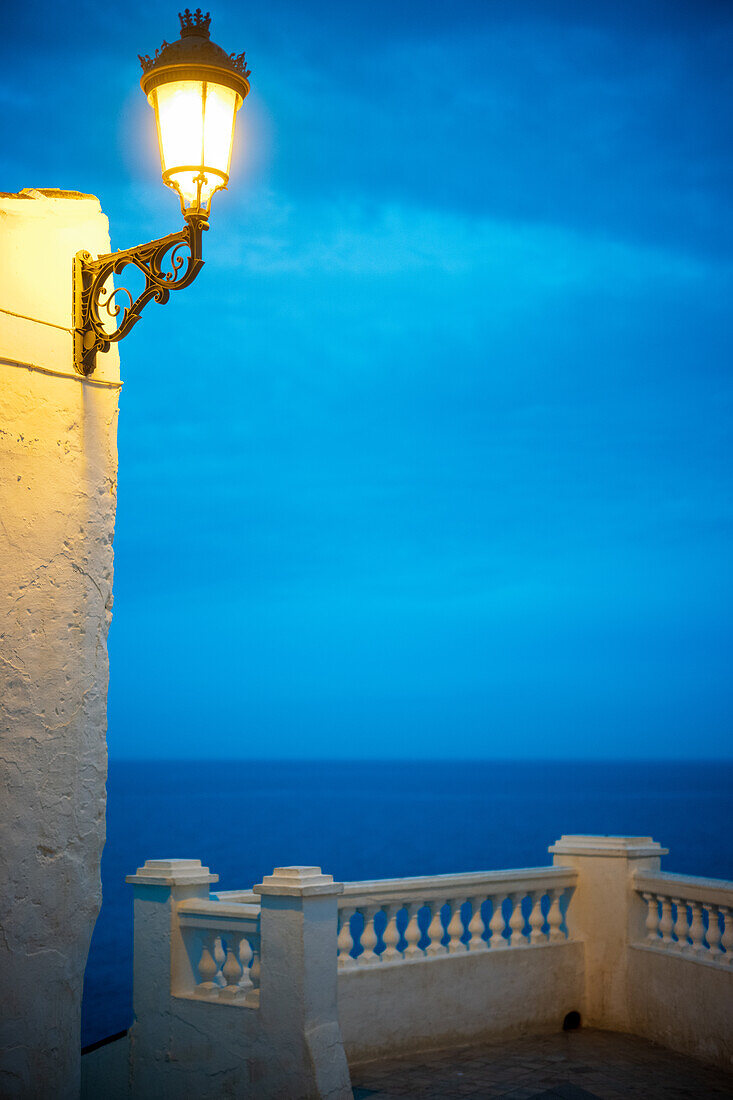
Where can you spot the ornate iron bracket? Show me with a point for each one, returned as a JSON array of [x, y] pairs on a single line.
[[95, 305]]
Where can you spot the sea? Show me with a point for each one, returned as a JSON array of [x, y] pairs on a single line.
[[381, 819]]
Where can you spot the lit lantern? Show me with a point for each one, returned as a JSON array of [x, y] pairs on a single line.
[[195, 89]]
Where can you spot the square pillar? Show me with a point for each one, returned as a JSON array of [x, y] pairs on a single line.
[[298, 980], [603, 911], [159, 950]]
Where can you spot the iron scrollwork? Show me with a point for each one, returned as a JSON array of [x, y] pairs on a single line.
[[170, 263]]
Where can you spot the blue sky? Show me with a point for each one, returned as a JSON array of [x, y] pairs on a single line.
[[434, 459]]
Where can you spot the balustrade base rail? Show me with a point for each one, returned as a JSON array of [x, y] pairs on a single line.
[[725, 963]]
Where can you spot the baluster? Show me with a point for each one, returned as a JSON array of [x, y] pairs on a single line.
[[727, 939], [368, 937], [207, 968], [245, 958], [476, 926], [516, 922], [537, 918], [220, 958], [253, 995], [682, 924], [554, 917], [345, 939], [713, 936], [231, 972], [412, 932], [496, 924], [455, 926], [665, 924], [435, 930], [652, 917], [697, 928], [391, 935]]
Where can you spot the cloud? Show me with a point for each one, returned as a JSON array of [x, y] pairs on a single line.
[[371, 239], [602, 124]]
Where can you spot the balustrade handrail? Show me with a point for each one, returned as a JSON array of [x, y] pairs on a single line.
[[248, 897], [464, 883], [689, 887], [224, 915]]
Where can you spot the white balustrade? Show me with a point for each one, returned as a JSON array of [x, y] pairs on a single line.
[[222, 940], [444, 915], [690, 917], [210, 955]]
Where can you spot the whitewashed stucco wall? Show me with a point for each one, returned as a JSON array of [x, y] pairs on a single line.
[[58, 479], [452, 1000], [682, 1003]]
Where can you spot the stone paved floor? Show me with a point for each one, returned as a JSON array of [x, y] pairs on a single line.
[[571, 1065]]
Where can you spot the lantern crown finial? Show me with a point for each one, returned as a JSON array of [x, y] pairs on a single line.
[[195, 48], [147, 62], [195, 23]]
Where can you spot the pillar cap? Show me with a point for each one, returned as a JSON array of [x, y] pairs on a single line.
[[172, 872], [629, 847], [298, 882]]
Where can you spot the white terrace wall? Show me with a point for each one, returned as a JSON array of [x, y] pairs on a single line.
[[518, 973], [236, 998], [58, 478], [671, 982], [283, 1044], [674, 1003]]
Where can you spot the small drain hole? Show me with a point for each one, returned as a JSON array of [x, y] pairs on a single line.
[[571, 1021]]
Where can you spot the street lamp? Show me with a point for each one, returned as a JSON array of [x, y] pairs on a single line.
[[195, 89]]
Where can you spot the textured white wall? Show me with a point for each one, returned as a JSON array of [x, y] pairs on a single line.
[[455, 999], [682, 1003], [58, 478]]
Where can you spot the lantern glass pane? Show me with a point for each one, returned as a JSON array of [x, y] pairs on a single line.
[[196, 127], [221, 106], [180, 123]]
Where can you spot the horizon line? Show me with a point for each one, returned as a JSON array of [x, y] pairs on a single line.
[[425, 760]]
